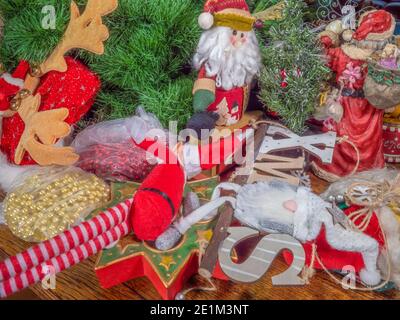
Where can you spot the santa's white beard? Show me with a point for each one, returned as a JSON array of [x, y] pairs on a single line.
[[233, 67]]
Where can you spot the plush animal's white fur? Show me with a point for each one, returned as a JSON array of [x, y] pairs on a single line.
[[233, 67], [254, 203], [391, 228], [9, 173]]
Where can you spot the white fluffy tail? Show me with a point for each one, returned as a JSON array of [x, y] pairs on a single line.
[[9, 173]]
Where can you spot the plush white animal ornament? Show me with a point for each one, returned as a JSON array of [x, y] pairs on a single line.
[[277, 207], [389, 224], [9, 174]]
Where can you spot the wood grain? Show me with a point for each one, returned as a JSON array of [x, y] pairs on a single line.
[[80, 282]]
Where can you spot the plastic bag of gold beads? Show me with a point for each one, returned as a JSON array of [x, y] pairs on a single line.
[[50, 200]]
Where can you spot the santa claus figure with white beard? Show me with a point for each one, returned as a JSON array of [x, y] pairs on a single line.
[[227, 59]]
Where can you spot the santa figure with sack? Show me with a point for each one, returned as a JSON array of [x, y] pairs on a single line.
[[357, 122], [227, 60]]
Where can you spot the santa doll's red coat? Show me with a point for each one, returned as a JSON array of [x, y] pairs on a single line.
[[235, 99]]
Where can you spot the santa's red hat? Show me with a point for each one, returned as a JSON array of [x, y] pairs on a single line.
[[11, 84], [375, 25], [234, 14], [157, 202]]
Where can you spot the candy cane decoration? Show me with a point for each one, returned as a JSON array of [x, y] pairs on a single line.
[[63, 261], [65, 241], [65, 250]]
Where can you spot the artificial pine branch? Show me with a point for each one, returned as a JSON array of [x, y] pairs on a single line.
[[147, 58], [291, 47]]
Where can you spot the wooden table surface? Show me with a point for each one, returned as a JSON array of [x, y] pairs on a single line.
[[80, 282]]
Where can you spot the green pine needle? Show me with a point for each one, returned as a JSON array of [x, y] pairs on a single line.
[[147, 57], [292, 47]]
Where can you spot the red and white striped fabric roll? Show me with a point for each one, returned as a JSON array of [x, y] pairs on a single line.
[[66, 241], [63, 261]]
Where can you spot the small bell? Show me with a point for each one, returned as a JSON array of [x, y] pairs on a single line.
[[15, 104], [35, 71], [340, 198], [335, 111], [331, 199], [24, 93], [180, 296]]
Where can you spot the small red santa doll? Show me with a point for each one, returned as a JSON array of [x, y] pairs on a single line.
[[57, 90], [227, 59], [360, 123]]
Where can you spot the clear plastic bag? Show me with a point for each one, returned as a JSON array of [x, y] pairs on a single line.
[[123, 161], [109, 149], [47, 201], [117, 131]]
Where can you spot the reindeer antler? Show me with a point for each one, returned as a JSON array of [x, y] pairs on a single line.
[[85, 31], [42, 129], [272, 13]]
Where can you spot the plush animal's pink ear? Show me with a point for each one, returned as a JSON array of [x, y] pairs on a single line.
[[290, 205]]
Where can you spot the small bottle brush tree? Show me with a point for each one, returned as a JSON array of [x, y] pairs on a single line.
[[147, 58], [294, 71]]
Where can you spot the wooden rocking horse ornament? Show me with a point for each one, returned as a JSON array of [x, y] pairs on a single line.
[[43, 128]]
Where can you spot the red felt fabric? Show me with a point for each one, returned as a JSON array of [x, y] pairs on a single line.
[[7, 92], [374, 22], [334, 259], [214, 6], [234, 98], [151, 213], [74, 89]]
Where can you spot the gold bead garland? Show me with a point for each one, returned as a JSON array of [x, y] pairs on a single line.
[[51, 201]]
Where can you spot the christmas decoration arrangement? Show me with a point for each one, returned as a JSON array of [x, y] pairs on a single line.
[[359, 114], [36, 117], [146, 60], [268, 93]]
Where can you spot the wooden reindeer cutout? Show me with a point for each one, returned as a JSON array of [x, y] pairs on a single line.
[[43, 128]]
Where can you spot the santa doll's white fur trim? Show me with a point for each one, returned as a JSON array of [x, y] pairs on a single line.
[[13, 81], [206, 20]]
